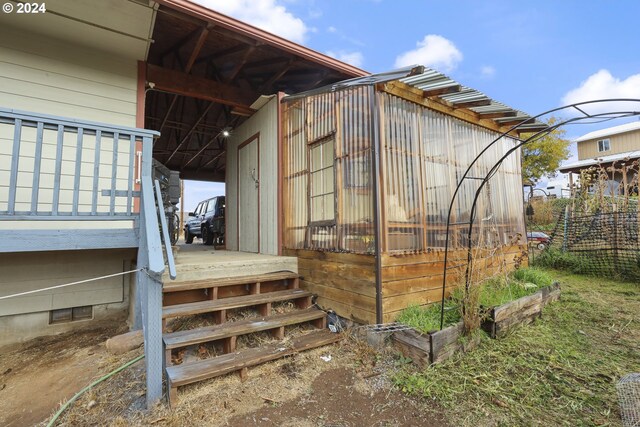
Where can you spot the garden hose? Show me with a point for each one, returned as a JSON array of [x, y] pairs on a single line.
[[98, 381]]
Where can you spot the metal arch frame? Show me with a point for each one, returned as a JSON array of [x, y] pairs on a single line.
[[537, 135]]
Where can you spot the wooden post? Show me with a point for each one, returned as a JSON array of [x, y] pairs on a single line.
[[182, 206], [616, 225]]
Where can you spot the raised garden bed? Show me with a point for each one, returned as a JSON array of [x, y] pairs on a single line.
[[426, 345], [433, 347], [504, 318]]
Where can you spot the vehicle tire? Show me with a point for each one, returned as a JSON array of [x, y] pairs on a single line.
[[207, 236], [541, 246], [188, 237]]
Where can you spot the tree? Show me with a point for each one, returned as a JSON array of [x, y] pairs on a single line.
[[542, 156]]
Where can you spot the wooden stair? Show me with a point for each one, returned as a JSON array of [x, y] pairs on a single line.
[[302, 298], [216, 297], [239, 361], [232, 330]]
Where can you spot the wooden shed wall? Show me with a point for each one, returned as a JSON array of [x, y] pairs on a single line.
[[264, 124], [417, 278], [343, 282]]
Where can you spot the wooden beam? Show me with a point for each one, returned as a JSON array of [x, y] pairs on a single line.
[[188, 135], [480, 103], [204, 33], [226, 52], [442, 91], [210, 176], [244, 112], [497, 115], [277, 75], [184, 84], [414, 95], [269, 61], [518, 122], [241, 63]]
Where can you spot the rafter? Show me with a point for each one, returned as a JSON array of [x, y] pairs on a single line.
[[188, 135], [236, 70], [225, 52]]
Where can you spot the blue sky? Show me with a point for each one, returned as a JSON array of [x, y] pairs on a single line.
[[532, 56]]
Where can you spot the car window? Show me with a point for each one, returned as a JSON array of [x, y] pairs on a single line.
[[198, 209], [212, 205]]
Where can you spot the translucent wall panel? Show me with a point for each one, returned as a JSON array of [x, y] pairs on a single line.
[[327, 172], [425, 154]]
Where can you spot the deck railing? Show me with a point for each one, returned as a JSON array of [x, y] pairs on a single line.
[[62, 170]]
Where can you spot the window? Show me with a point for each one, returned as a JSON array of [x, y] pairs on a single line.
[[70, 314], [212, 205], [198, 209], [322, 186], [604, 145]]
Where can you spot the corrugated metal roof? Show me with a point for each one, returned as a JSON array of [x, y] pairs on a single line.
[[580, 164], [627, 127], [430, 80]]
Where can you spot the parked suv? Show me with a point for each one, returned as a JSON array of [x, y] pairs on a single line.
[[207, 222]]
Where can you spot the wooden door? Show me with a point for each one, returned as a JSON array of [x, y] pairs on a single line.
[[249, 196]]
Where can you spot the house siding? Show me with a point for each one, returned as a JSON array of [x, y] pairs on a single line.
[[47, 76], [620, 143]]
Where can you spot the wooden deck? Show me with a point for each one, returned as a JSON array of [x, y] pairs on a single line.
[[201, 262]]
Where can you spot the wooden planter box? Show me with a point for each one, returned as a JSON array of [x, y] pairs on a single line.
[[504, 318], [433, 347]]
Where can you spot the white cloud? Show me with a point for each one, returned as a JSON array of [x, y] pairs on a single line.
[[433, 51], [487, 71], [603, 85], [265, 14], [353, 58], [332, 30]]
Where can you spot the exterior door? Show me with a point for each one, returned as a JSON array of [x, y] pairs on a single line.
[[249, 196]]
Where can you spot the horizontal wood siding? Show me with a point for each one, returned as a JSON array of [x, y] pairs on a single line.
[[343, 282], [417, 279], [43, 75], [621, 143]]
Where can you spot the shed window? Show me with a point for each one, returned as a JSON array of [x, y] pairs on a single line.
[[322, 183], [604, 145]]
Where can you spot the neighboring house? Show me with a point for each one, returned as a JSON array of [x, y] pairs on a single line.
[[351, 180], [614, 151]]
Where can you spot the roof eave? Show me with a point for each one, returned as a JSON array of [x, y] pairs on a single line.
[[227, 22]]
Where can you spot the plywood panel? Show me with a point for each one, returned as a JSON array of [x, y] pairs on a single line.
[[263, 123]]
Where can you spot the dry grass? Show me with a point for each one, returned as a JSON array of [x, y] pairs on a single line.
[[119, 401]]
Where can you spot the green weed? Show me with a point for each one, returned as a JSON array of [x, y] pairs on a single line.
[[561, 370]]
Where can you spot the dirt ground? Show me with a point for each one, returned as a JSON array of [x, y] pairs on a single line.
[[350, 389], [36, 376]]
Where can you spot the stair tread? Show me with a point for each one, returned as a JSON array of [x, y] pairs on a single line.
[[197, 371], [241, 327], [228, 281], [231, 302]]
